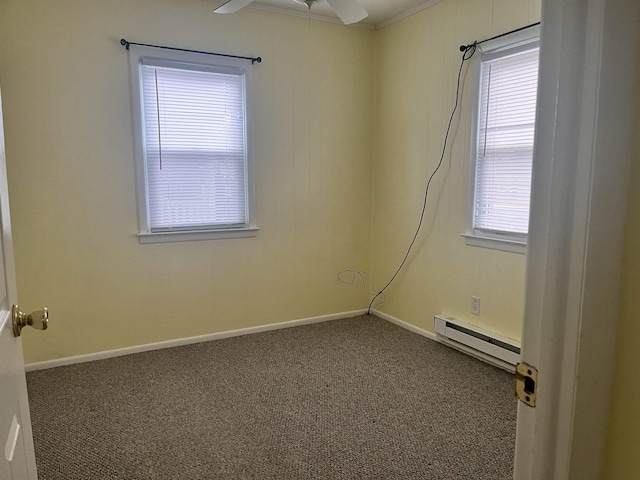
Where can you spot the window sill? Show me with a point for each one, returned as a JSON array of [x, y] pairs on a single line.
[[194, 235], [506, 245]]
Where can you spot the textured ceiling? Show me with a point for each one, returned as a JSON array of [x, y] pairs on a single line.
[[380, 11]]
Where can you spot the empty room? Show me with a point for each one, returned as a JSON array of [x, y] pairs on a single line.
[[330, 239]]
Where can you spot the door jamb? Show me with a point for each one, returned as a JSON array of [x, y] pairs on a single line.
[[584, 142]]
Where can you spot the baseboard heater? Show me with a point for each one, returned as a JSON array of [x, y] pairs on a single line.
[[499, 351]]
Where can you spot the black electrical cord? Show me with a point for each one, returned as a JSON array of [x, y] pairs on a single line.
[[467, 53]]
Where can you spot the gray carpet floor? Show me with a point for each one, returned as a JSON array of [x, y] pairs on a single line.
[[348, 399]]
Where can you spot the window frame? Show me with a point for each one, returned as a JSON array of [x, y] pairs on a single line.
[[507, 45], [138, 54]]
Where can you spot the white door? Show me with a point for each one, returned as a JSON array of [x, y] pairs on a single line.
[[584, 141], [17, 459]]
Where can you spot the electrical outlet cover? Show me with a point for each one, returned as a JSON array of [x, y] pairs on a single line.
[[475, 305]]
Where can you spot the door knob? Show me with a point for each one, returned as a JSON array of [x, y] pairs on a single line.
[[38, 319]]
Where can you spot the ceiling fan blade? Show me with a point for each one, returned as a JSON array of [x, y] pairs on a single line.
[[232, 6], [349, 11]]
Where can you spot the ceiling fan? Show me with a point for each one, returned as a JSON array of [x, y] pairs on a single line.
[[349, 11]]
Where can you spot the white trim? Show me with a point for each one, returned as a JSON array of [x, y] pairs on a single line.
[[406, 326], [407, 13], [526, 39], [120, 352], [584, 139], [512, 43], [440, 339], [137, 56], [495, 243], [192, 235]]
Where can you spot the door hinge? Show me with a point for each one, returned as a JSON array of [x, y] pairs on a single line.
[[526, 383]]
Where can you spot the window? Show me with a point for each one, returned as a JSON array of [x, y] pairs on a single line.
[[503, 145], [194, 163]]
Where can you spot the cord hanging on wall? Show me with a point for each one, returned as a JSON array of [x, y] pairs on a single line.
[[467, 52]]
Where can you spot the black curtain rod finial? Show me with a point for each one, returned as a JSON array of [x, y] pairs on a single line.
[[124, 43], [468, 50]]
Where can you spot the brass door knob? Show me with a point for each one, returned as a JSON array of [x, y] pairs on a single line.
[[38, 319]]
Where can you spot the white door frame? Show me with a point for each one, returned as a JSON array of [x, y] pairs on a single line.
[[584, 142]]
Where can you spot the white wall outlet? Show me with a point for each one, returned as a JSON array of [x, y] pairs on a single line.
[[475, 305]]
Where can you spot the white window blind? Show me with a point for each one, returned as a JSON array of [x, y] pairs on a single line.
[[505, 144], [195, 147]]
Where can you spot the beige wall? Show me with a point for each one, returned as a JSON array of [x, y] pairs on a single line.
[[339, 111], [622, 458], [418, 61], [70, 161], [69, 147]]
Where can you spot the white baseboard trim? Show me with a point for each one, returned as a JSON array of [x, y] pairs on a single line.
[[407, 326], [90, 357], [119, 352], [440, 339]]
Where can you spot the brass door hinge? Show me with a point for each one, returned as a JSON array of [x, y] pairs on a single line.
[[526, 383]]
